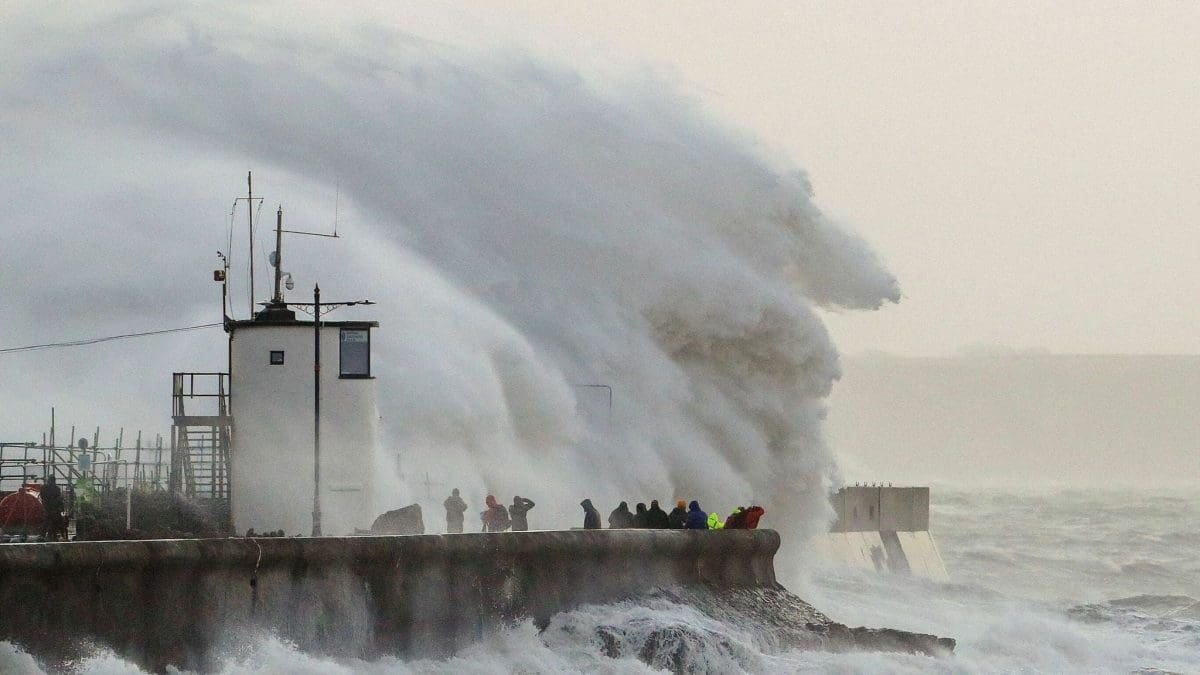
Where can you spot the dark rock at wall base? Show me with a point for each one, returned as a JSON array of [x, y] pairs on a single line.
[[843, 638], [775, 619]]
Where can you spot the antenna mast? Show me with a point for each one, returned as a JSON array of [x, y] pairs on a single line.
[[278, 299], [250, 216]]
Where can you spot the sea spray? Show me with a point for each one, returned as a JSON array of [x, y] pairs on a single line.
[[526, 229]]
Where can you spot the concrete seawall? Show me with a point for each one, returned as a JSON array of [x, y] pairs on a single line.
[[178, 602]]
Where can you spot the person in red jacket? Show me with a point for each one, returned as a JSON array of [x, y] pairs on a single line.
[[753, 514], [495, 519]]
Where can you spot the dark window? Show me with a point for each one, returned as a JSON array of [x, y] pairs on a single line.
[[356, 352], [277, 357], [872, 516]]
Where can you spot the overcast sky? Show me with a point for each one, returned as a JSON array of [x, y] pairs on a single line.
[[1029, 171], [528, 223], [542, 194]]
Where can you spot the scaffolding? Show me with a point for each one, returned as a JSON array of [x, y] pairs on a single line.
[[86, 473], [201, 428]]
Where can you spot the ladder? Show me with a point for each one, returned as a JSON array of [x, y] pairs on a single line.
[[200, 441]]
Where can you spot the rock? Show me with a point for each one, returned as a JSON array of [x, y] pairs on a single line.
[[404, 520], [777, 620]]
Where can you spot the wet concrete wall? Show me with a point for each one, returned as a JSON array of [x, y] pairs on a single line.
[[181, 602], [884, 529], [881, 509]]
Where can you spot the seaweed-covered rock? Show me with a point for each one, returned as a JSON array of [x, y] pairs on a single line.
[[770, 620]]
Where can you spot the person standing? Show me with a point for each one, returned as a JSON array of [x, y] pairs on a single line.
[[455, 508], [591, 517], [656, 518], [52, 503], [620, 517], [677, 519], [753, 515], [519, 508], [641, 517], [737, 519], [495, 519], [697, 519]]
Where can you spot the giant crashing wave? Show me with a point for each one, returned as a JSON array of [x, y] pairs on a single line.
[[527, 228]]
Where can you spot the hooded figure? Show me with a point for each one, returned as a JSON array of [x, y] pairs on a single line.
[[620, 517], [52, 502], [495, 519], [519, 508], [640, 519], [715, 521], [677, 519], [736, 520], [455, 508], [752, 516], [656, 518], [696, 519], [591, 517]]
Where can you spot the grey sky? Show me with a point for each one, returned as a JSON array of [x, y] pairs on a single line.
[[1028, 170], [535, 201]]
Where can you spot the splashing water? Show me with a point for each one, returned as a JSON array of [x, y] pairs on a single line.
[[527, 229]]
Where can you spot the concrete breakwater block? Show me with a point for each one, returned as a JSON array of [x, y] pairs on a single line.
[[179, 603]]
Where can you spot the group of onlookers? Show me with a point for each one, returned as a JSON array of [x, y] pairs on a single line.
[[680, 518], [498, 518]]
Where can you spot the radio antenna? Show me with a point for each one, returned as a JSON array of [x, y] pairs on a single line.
[[250, 215], [337, 198]]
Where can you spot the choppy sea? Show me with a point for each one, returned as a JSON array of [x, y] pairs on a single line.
[[1053, 581]]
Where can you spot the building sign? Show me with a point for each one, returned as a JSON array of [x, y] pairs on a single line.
[[355, 352]]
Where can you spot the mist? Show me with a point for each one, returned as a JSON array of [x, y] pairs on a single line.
[[528, 229], [1012, 418]]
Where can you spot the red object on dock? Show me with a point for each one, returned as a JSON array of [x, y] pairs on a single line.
[[22, 508]]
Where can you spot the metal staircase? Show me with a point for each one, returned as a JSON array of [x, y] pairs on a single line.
[[200, 440]]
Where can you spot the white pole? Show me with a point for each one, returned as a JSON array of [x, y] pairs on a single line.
[[128, 500]]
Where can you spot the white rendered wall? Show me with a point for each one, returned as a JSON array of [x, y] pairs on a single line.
[[866, 551], [271, 462]]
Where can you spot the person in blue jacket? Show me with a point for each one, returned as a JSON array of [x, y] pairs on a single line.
[[697, 519]]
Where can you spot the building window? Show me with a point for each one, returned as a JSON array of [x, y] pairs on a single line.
[[355, 352], [872, 512], [277, 357]]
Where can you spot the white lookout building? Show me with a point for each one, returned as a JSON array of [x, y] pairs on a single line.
[[273, 405], [277, 443]]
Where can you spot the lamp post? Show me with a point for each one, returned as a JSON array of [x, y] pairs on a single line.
[[316, 530], [316, 307]]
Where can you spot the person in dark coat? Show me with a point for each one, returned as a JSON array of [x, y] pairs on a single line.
[[495, 519], [591, 517], [736, 520], [696, 519], [753, 514], [656, 518], [52, 503], [519, 508], [455, 508], [640, 519], [677, 519], [620, 517]]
